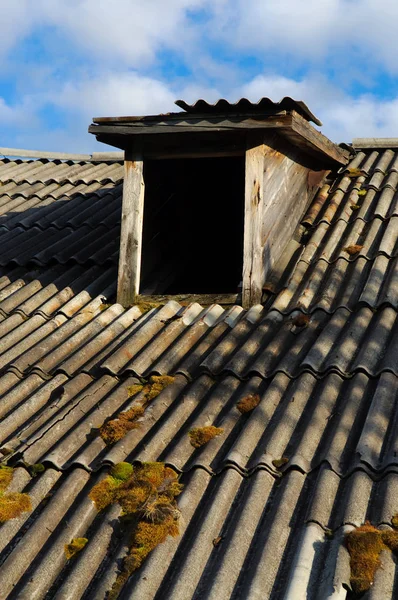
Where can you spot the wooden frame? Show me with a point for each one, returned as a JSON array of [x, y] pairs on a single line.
[[121, 132], [253, 264], [281, 178]]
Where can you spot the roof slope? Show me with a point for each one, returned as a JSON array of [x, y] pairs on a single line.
[[328, 395]]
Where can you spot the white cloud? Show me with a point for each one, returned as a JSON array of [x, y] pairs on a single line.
[[282, 26], [123, 93], [106, 94], [17, 115], [17, 20], [114, 94], [132, 32], [343, 116], [342, 30], [129, 31]]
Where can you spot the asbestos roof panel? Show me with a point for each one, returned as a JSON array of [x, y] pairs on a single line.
[[54, 212], [352, 423], [327, 386], [46, 171], [296, 526]]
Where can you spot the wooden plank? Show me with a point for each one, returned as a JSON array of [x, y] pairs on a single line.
[[203, 299], [131, 229], [157, 153], [197, 145], [207, 125], [317, 141], [186, 116], [253, 265], [290, 188]]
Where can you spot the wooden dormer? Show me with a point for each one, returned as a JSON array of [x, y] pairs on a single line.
[[213, 194]]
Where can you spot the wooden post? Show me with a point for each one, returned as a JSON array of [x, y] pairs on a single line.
[[131, 229], [254, 201]]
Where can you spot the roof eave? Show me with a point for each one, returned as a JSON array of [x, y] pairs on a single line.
[[120, 132]]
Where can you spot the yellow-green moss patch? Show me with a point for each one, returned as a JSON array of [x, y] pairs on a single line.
[[122, 471], [248, 403], [353, 172], [147, 306], [280, 462], [35, 469], [147, 495], [6, 474], [12, 504], [132, 390], [156, 384], [364, 545], [114, 430], [75, 546], [199, 436]]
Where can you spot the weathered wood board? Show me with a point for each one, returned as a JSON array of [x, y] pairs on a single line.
[[131, 229], [278, 190]]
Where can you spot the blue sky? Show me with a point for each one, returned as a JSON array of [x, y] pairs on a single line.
[[63, 62]]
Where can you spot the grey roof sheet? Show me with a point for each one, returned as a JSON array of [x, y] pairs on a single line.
[[58, 424], [280, 523], [328, 395]]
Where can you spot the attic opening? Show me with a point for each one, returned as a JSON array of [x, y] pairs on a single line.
[[193, 225]]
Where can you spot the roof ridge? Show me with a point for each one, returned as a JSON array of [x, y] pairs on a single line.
[[94, 157]]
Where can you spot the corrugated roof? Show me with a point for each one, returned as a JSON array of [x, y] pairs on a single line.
[[265, 107], [328, 394], [246, 106]]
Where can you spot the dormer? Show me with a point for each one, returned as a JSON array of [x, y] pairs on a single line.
[[213, 194]]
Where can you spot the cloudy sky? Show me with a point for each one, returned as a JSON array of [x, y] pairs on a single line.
[[63, 62]]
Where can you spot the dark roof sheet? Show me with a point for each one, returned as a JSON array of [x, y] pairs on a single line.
[[328, 396], [244, 105]]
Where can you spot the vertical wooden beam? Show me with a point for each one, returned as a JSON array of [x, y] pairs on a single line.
[[131, 228], [253, 266]]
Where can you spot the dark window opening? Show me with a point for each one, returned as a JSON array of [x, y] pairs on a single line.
[[193, 226]]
